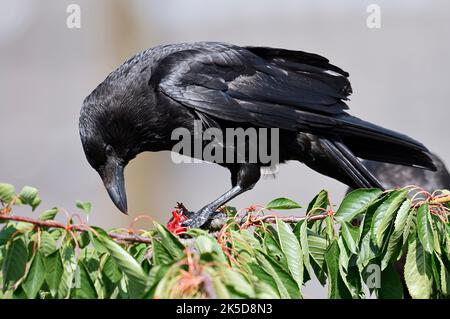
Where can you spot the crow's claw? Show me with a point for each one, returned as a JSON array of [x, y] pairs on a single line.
[[199, 218]]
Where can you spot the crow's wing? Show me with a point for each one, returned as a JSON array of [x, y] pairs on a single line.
[[291, 90], [232, 83]]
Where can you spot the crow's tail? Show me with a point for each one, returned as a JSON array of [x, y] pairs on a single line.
[[334, 157], [372, 142], [351, 167]]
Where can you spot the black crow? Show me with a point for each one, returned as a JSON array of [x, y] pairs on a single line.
[[137, 107]]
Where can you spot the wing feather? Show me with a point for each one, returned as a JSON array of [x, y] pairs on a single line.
[[218, 81], [266, 87]]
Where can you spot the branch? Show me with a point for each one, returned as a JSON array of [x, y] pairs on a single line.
[[291, 219], [440, 200], [215, 224], [218, 223], [79, 228]]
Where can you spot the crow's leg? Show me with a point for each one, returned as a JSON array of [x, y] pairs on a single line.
[[243, 178]]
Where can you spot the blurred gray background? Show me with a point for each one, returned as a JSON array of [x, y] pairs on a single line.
[[399, 74]]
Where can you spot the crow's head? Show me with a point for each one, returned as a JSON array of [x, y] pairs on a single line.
[[112, 132], [106, 154]]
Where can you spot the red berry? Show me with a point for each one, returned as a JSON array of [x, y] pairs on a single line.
[[174, 226]]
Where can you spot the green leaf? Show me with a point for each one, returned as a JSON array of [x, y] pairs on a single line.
[[84, 206], [163, 286], [336, 286], [446, 235], [402, 216], [384, 215], [273, 249], [348, 274], [394, 246], [98, 246], [445, 278], [367, 251], [435, 270], [304, 246], [351, 236], [219, 287], [391, 285], [170, 241], [344, 256], [356, 202], [353, 280], [49, 214], [244, 244], [318, 204], [19, 294], [69, 266], [317, 247], [15, 262], [35, 277], [84, 239], [84, 287], [329, 228], [238, 283], [424, 229], [287, 286], [410, 226], [438, 228], [248, 237], [139, 252], [282, 203], [47, 244], [320, 273], [7, 192], [292, 250], [418, 272], [137, 279], [366, 223], [54, 270], [265, 277], [29, 196], [111, 270], [154, 277], [160, 254], [6, 233], [207, 244], [264, 291]]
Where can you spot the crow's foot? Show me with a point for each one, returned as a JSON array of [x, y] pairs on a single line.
[[198, 219], [182, 219]]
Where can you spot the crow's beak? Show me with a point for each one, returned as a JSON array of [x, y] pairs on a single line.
[[112, 176]]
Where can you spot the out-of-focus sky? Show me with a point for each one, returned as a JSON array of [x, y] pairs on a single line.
[[399, 74]]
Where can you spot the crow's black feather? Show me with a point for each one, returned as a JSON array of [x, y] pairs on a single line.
[[139, 105]]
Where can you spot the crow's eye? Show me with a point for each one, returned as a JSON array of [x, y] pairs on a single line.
[[109, 150]]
